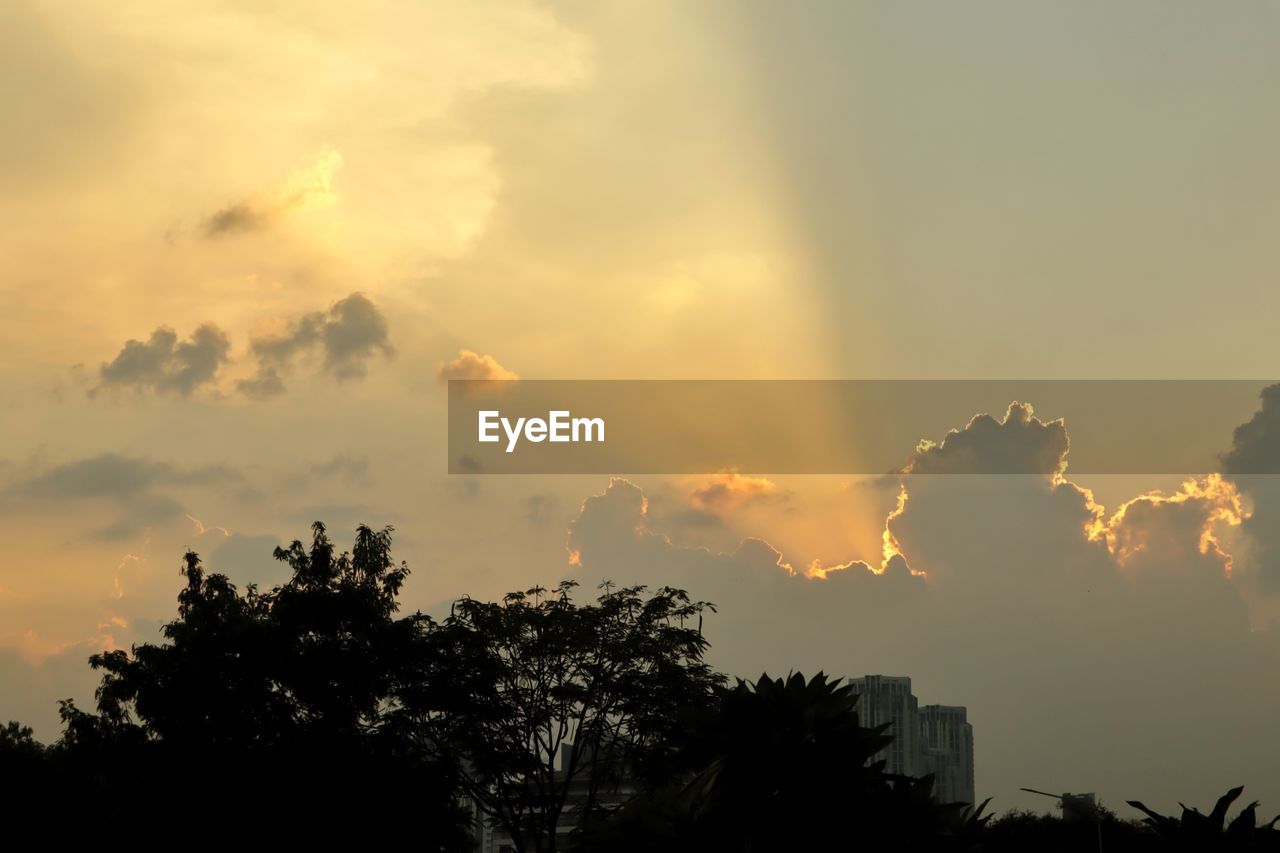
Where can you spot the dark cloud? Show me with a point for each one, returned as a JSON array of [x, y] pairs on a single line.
[[114, 475], [266, 383], [347, 336], [237, 218], [162, 364], [1255, 445], [1251, 464], [1020, 443], [135, 487], [261, 211]]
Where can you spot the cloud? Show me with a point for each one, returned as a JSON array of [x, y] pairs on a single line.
[[472, 365], [347, 337], [727, 490], [134, 487], [1251, 464], [263, 385], [1255, 445], [117, 476], [164, 365], [1158, 530], [1071, 633], [312, 184], [614, 532], [241, 216], [1020, 443]]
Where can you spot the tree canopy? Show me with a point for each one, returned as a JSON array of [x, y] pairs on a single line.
[[547, 704], [539, 721]]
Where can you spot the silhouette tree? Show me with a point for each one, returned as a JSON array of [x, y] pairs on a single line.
[[281, 699], [791, 768], [545, 705], [24, 766]]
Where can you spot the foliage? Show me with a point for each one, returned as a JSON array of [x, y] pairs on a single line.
[[1195, 830], [546, 704], [278, 699], [313, 708], [790, 768], [1021, 830]]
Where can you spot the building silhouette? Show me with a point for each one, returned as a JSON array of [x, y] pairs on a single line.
[[888, 699], [947, 741], [935, 739]]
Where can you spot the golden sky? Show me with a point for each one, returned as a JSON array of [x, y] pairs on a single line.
[[301, 213]]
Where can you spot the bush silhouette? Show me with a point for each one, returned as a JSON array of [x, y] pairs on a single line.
[[789, 767], [1195, 830]]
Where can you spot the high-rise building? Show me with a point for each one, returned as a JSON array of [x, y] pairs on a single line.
[[947, 741], [935, 739], [888, 699]]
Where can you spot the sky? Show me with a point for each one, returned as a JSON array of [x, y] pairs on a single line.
[[244, 244]]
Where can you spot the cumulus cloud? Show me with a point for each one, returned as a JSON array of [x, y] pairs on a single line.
[[1020, 443], [1154, 528], [312, 184], [1071, 632], [614, 533], [350, 334], [1252, 463], [1255, 445], [345, 339], [165, 365], [472, 365]]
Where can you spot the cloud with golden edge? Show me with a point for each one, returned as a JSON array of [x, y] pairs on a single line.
[[309, 186], [1019, 443], [1212, 500], [472, 365], [731, 489]]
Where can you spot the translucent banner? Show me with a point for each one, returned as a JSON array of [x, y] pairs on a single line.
[[848, 426]]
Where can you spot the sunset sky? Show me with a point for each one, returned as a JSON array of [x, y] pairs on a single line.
[[245, 242]]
